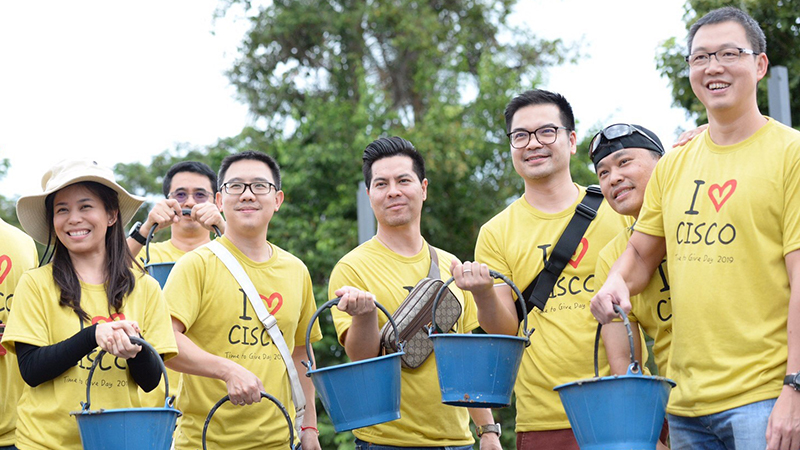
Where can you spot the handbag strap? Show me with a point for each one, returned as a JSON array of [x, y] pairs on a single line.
[[538, 292], [270, 323], [434, 272]]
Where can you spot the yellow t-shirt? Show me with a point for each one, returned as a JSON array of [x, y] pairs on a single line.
[[17, 254], [652, 309], [204, 296], [162, 252], [37, 319], [729, 214], [424, 420], [514, 243]]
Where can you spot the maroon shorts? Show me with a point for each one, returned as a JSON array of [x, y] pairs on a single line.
[[547, 440], [664, 433], [561, 439]]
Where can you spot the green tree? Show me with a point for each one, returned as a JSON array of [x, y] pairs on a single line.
[[778, 19]]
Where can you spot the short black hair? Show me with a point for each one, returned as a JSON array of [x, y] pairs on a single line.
[[540, 97], [188, 166], [386, 147], [251, 155], [731, 14]]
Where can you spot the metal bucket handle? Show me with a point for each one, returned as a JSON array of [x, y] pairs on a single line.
[[330, 303], [634, 368], [152, 232], [188, 212], [150, 235], [168, 401], [434, 328], [263, 395]]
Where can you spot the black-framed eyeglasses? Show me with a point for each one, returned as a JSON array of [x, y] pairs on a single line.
[[546, 135], [617, 131], [257, 188], [199, 196], [725, 56]]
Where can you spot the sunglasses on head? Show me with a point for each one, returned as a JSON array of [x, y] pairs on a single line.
[[617, 131]]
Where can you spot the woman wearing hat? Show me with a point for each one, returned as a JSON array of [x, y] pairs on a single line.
[[91, 295]]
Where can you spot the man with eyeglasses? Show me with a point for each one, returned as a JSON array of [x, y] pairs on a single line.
[[624, 156], [223, 346], [188, 209], [517, 242], [726, 211]]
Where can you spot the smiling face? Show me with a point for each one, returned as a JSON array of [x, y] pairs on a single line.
[[395, 193], [726, 90], [623, 178], [248, 213], [80, 220], [536, 161]]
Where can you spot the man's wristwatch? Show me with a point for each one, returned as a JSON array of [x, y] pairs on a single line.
[[490, 428], [136, 235], [793, 380]]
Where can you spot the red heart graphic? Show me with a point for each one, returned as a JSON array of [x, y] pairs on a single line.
[[722, 195], [577, 260], [7, 260], [273, 310], [102, 319]]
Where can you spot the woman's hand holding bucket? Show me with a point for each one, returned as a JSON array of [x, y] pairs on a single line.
[[113, 338]]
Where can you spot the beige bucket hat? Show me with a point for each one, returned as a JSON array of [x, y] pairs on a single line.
[[31, 208]]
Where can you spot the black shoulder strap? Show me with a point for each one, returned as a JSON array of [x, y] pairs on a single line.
[[434, 272], [538, 292]]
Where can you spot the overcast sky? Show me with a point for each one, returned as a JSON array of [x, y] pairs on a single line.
[[123, 81]]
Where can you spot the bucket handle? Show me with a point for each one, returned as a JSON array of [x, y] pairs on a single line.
[[634, 367], [150, 235], [263, 395], [188, 212], [152, 232], [168, 401], [434, 328], [330, 303]]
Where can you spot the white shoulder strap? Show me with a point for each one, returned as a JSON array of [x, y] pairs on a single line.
[[270, 323]]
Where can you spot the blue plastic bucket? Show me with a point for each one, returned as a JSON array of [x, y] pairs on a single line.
[[132, 428], [263, 395], [358, 394], [478, 370], [160, 271], [621, 412]]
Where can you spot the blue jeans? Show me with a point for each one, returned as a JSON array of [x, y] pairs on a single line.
[[361, 445], [8, 448], [742, 428]]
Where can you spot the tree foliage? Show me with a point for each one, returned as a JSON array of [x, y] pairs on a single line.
[[780, 20]]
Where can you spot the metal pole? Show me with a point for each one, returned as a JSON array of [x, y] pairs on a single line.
[[778, 86], [366, 219]]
